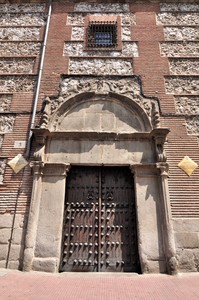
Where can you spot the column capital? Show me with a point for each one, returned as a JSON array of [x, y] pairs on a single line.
[[56, 169], [164, 169], [37, 167]]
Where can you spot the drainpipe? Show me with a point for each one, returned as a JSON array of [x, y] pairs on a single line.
[[39, 79]]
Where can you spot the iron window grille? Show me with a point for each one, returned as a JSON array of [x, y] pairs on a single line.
[[102, 35]]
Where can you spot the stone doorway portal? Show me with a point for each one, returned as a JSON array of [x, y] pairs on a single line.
[[99, 233]]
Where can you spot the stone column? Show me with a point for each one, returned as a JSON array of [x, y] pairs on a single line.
[[168, 234], [37, 167]]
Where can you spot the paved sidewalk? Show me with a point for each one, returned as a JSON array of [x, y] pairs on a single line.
[[15, 285]]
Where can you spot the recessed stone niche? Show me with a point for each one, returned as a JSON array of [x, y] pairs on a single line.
[[100, 66], [192, 124], [16, 83], [181, 33], [187, 104], [184, 66], [17, 65], [19, 48], [181, 49], [182, 85]]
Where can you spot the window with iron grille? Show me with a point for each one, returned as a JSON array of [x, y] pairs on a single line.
[[102, 35]]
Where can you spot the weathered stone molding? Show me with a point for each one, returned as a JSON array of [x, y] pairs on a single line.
[[17, 65], [19, 48], [56, 169], [181, 7], [77, 49], [2, 169], [96, 66], [182, 49], [184, 66], [12, 83], [181, 33], [187, 105], [192, 125], [5, 102], [6, 123], [20, 33], [101, 7], [182, 85], [128, 87], [178, 19]]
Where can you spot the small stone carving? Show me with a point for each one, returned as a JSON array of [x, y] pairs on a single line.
[[5, 102], [77, 49], [155, 116], [100, 66], [192, 124], [183, 7], [75, 85], [19, 48], [17, 65], [182, 85], [180, 49], [28, 19], [17, 83], [187, 105], [22, 8], [1, 139], [184, 66], [46, 113], [19, 33], [181, 33], [177, 19], [2, 169], [6, 123], [160, 151], [101, 7]]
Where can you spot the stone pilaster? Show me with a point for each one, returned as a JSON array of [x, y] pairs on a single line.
[[168, 234], [37, 167]]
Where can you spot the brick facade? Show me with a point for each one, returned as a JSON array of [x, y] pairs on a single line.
[[160, 46]]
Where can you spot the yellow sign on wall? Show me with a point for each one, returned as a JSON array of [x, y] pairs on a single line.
[[188, 165]]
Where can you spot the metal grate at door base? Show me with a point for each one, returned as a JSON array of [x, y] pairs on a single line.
[[102, 35]]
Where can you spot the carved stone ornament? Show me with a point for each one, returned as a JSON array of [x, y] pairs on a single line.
[[160, 139], [40, 143], [129, 87]]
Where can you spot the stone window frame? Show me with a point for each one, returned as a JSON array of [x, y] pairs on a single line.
[[103, 19]]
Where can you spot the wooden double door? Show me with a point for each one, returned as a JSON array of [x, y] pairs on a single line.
[[99, 232]]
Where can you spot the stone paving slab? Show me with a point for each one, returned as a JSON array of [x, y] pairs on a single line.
[[16, 285]]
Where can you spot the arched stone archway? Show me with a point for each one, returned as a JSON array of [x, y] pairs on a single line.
[[94, 128]]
